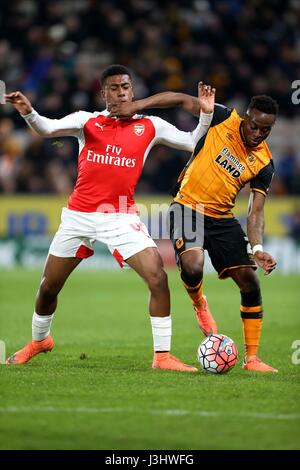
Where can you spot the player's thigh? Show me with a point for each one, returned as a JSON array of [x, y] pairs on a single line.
[[245, 278], [192, 260], [126, 237], [57, 270], [227, 246], [75, 236], [186, 230], [147, 263]]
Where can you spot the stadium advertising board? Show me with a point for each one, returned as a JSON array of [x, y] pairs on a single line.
[[28, 223]]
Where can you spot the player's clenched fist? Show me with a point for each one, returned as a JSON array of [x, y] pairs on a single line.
[[19, 101]]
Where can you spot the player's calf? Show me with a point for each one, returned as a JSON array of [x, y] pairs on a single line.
[[205, 319]]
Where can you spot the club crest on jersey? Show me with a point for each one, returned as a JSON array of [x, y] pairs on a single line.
[[179, 243], [139, 129], [251, 158]]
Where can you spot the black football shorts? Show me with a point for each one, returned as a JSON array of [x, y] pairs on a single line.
[[224, 238]]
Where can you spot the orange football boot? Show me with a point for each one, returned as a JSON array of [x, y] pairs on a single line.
[[165, 360], [205, 319], [255, 364], [31, 349]]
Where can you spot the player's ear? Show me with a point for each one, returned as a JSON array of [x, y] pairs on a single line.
[[247, 114]]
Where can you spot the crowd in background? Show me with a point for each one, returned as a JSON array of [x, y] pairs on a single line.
[[54, 51]]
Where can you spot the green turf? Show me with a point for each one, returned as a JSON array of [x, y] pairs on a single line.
[[114, 400]]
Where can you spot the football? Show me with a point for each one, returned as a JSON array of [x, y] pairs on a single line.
[[217, 354]]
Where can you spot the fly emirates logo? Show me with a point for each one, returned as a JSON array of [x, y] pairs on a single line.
[[112, 156]]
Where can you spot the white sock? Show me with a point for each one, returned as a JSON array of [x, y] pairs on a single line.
[[162, 332], [41, 326]]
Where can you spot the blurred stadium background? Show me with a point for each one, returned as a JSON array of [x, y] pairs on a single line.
[[54, 52]]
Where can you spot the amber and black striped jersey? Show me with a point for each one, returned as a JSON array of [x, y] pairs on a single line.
[[222, 165]]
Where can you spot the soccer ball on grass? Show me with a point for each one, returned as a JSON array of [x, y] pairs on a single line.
[[217, 354]]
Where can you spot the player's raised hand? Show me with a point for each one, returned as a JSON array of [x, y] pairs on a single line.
[[265, 261], [124, 109], [19, 101], [206, 96]]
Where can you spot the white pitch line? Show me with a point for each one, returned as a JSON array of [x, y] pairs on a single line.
[[161, 412]]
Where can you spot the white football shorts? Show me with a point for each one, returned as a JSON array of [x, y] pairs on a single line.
[[124, 234]]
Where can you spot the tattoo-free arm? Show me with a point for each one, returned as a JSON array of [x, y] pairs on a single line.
[[168, 99], [256, 219], [255, 231], [45, 127]]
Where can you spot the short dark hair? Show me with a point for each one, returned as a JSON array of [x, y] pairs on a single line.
[[264, 103], [114, 69]]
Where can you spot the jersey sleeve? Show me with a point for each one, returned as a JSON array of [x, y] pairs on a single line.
[[221, 113], [262, 181], [67, 126], [167, 134]]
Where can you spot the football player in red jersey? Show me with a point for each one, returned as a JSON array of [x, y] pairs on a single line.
[[112, 153]]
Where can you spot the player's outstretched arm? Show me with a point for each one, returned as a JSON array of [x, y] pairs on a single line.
[[169, 99], [45, 127], [169, 135], [255, 230]]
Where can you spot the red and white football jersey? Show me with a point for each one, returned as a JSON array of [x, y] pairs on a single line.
[[112, 153]]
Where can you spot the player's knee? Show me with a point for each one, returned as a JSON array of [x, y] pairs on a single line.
[[191, 273], [157, 280], [250, 291], [246, 279], [249, 284], [49, 289]]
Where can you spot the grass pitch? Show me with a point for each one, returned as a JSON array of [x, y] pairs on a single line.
[[97, 390]]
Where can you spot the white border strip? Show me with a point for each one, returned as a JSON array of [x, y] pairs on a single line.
[[161, 412]]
